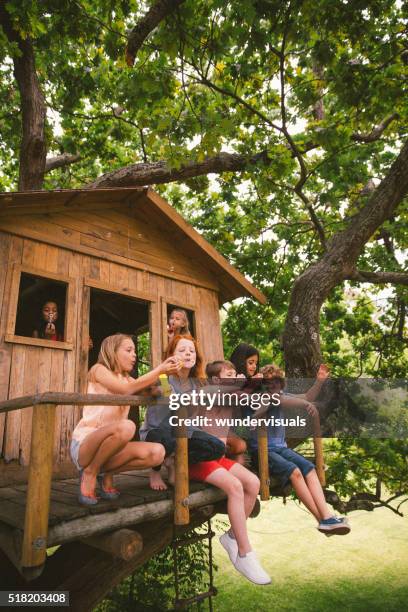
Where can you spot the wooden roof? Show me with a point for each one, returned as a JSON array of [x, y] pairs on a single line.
[[232, 283]]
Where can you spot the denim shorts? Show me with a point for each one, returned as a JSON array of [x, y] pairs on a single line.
[[283, 461], [74, 450]]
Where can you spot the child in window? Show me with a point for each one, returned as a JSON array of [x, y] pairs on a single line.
[[49, 327], [286, 463], [178, 324]]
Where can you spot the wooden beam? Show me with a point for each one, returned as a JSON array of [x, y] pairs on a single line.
[[318, 450], [88, 525], [89, 574], [123, 543], [263, 462], [34, 550], [79, 399]]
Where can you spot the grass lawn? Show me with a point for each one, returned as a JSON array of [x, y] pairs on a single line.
[[366, 570]]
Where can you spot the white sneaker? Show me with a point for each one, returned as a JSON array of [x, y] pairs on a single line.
[[230, 545], [250, 567]]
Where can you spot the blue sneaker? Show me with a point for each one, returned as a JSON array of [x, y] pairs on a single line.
[[335, 525]]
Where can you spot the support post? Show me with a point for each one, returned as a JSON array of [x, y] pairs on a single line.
[[318, 450], [34, 549], [263, 462], [181, 486]]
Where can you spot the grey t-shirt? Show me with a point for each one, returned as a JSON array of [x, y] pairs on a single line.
[[158, 415]]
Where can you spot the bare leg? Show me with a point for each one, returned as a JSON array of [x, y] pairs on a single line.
[[229, 483], [302, 491], [316, 492], [135, 456], [250, 483], [171, 470], [98, 447]]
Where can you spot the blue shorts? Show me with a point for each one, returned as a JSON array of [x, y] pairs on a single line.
[[74, 450], [283, 461]]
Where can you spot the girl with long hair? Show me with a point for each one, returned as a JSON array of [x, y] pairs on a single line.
[[102, 440]]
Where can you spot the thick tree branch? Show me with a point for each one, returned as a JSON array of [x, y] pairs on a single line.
[[33, 148], [159, 11], [379, 278], [377, 130], [311, 289], [159, 172], [59, 161]]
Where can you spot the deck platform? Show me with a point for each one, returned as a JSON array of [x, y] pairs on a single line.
[[68, 520]]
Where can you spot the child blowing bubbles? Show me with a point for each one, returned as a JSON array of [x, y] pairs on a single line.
[[156, 427], [102, 438], [178, 324], [48, 326]]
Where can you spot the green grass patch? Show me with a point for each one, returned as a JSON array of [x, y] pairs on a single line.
[[365, 570]]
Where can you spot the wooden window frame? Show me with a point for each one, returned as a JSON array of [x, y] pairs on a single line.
[[91, 283], [70, 297], [165, 302]]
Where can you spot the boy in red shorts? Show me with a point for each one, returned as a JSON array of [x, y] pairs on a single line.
[[241, 487]]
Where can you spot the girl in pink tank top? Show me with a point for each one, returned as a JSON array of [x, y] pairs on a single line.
[[102, 440]]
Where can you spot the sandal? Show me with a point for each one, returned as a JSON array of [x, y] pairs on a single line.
[[85, 500], [106, 493]]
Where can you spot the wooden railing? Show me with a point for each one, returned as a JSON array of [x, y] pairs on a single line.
[[34, 547]]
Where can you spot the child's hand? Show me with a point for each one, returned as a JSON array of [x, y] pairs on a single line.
[[259, 375], [241, 376], [323, 372], [311, 409], [172, 365], [49, 329]]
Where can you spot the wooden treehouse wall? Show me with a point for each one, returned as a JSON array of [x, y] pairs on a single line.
[[99, 247]]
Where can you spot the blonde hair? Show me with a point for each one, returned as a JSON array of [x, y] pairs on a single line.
[[185, 329], [108, 354]]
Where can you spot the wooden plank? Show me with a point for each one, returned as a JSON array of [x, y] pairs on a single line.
[[70, 198], [56, 383], [34, 551], [5, 351], [38, 342], [16, 389], [119, 276], [36, 380], [104, 271], [83, 339], [115, 286], [51, 258], [124, 517], [94, 268], [100, 250]]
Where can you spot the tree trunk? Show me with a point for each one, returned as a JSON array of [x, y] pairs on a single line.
[[301, 340], [33, 149]]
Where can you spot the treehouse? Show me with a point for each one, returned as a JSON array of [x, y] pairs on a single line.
[[114, 260]]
